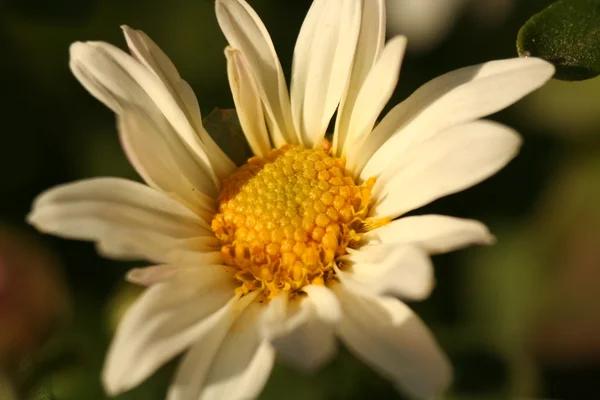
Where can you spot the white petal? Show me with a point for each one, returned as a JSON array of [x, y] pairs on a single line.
[[242, 367], [434, 233], [247, 102], [200, 244], [243, 362], [126, 219], [370, 43], [245, 32], [149, 54], [450, 162], [95, 86], [152, 57], [373, 96], [388, 336], [326, 305], [195, 366], [311, 341], [148, 276], [322, 64], [188, 381], [166, 319], [402, 271], [134, 88], [165, 163], [452, 99], [184, 256], [132, 245], [282, 315], [311, 344], [274, 320], [302, 331], [196, 138]]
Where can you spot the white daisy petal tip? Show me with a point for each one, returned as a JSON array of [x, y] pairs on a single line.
[[400, 42], [144, 223], [374, 93], [127, 30], [452, 161], [111, 384], [245, 31], [391, 269], [387, 335], [136, 276], [76, 48], [38, 215], [371, 42], [247, 102], [546, 68], [435, 234], [32, 217], [133, 37], [490, 240], [150, 275], [486, 238], [323, 59], [82, 49], [453, 99]]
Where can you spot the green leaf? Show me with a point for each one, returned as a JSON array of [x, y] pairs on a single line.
[[567, 34], [224, 127]]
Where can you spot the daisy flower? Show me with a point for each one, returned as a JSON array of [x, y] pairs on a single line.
[[305, 242]]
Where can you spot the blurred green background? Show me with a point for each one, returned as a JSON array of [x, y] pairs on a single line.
[[518, 320]]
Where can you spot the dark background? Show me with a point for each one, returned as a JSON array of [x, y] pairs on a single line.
[[518, 320]]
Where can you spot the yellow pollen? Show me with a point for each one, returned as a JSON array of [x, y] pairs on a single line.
[[285, 218]]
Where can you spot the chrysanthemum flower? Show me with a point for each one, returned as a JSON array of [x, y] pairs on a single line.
[[306, 241]]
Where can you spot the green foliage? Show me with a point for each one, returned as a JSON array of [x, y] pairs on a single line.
[[224, 127], [567, 33]]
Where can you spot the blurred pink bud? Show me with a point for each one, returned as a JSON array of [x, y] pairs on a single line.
[[33, 296]]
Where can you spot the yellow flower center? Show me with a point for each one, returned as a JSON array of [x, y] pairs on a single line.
[[283, 219]]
